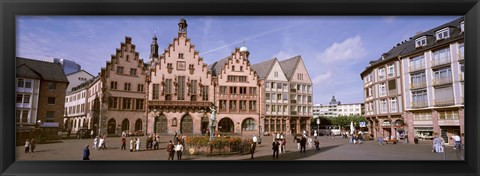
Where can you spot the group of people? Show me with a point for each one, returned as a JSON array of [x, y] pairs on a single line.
[[99, 142], [30, 145], [153, 141], [177, 146]]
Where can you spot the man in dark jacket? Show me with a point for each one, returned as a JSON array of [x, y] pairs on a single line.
[[275, 145], [303, 143], [86, 153], [171, 152]]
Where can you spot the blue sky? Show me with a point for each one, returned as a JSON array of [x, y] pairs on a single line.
[[336, 49]]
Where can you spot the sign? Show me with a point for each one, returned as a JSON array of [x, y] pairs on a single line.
[[363, 124]]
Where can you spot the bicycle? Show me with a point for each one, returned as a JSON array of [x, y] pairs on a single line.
[[460, 151]]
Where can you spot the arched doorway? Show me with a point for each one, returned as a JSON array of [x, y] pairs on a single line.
[[125, 125], [161, 124], [138, 125], [249, 125], [186, 125], [204, 126], [225, 125], [111, 126]]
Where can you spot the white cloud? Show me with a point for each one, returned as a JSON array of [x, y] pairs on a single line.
[[389, 19], [348, 50], [282, 55], [322, 78]]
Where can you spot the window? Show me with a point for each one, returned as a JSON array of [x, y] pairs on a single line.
[[233, 90], [444, 96], [139, 104], [441, 56], [442, 75], [241, 68], [252, 105], [267, 84], [223, 104], [448, 115], [24, 83], [113, 85], [204, 93], [133, 72], [274, 108], [233, 67], [248, 125], [381, 73], [242, 78], [419, 98], [391, 70], [279, 96], [193, 87], [243, 90], [383, 90], [275, 74], [169, 66], [113, 103], [273, 97], [127, 102], [20, 83], [51, 100], [422, 116], [140, 87], [369, 92], [462, 26], [422, 41], [127, 86], [233, 105], [155, 92], [417, 63], [392, 87], [231, 78], [418, 80], [119, 70], [309, 99], [52, 86], [267, 96], [383, 106], [393, 105], [168, 86], [191, 67], [442, 34], [50, 116], [181, 88], [461, 51], [243, 105], [252, 90], [180, 55], [279, 85], [223, 90]]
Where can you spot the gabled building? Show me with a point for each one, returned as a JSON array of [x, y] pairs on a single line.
[[237, 94], [180, 88], [77, 78], [40, 96]]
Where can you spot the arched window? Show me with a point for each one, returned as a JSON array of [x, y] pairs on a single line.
[[138, 125], [248, 125]]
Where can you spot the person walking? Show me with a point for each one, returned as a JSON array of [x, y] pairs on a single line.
[[252, 149], [280, 144], [27, 146], [170, 150], [303, 143], [124, 141], [33, 144], [298, 143], [284, 144], [95, 142], [137, 144], [131, 145], [457, 140], [317, 145], [438, 146], [86, 153], [179, 150], [101, 144], [275, 149]]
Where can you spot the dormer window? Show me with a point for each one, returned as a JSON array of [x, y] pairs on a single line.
[[442, 34], [462, 26], [419, 42]]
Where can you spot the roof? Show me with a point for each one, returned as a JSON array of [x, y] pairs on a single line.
[[40, 69], [407, 47], [78, 72], [263, 68], [217, 66], [85, 84], [289, 66]]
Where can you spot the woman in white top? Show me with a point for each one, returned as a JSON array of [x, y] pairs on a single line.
[[131, 145], [138, 144], [100, 144], [179, 149], [95, 142]]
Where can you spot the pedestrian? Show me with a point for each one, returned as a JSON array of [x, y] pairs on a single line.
[[380, 140], [33, 144], [101, 144], [438, 146], [317, 145], [91, 134], [155, 144], [310, 143], [105, 141], [86, 153], [315, 134], [303, 143], [457, 140], [280, 144], [124, 141], [27, 146], [179, 150], [95, 142], [138, 144], [170, 150], [252, 149], [275, 149], [131, 145], [284, 145], [298, 143]]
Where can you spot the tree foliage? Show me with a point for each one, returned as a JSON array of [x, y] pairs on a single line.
[[344, 121]]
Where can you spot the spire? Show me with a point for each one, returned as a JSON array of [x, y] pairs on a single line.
[[154, 47]]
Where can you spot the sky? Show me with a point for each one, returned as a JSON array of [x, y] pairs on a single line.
[[335, 49]]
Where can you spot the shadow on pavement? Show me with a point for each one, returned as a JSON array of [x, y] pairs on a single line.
[[293, 155]]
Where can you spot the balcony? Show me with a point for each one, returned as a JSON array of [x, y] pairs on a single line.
[[293, 101], [440, 61], [293, 112], [444, 102], [418, 85], [413, 68], [293, 90], [419, 104], [392, 92], [441, 81]]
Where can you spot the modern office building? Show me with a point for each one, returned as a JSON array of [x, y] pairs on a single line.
[[68, 65], [336, 108], [417, 88]]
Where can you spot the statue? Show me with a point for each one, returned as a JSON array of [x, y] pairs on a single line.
[[212, 122]]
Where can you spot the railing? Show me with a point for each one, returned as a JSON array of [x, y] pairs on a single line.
[[444, 102], [418, 85], [440, 61], [293, 101], [178, 103], [416, 67], [392, 92], [293, 112], [293, 90], [419, 104], [440, 81]]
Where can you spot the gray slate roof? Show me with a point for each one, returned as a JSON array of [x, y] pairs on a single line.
[[40, 69], [289, 65], [263, 68], [217, 66], [408, 47]]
